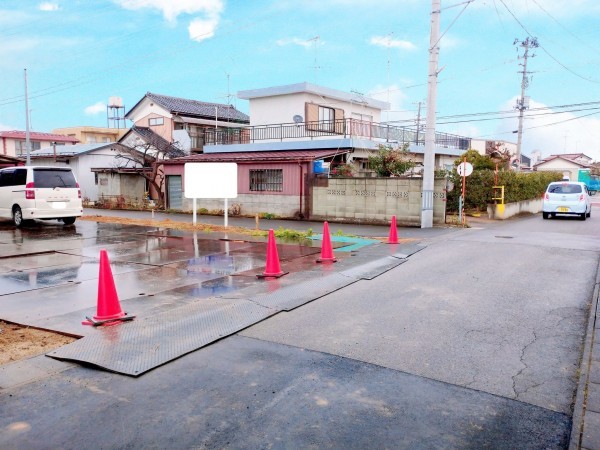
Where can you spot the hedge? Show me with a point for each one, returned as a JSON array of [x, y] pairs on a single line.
[[518, 186]]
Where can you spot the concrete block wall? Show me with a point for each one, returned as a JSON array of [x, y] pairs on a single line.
[[375, 200], [251, 204]]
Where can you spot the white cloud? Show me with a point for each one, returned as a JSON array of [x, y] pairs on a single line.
[[173, 8], [48, 6], [200, 28], [555, 133], [306, 43], [388, 42], [6, 127], [95, 109]]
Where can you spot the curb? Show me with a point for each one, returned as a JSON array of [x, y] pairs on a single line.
[[585, 368]]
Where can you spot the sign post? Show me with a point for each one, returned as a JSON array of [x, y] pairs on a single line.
[[464, 169], [210, 180]]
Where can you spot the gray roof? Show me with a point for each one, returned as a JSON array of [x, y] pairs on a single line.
[[198, 109], [70, 150]]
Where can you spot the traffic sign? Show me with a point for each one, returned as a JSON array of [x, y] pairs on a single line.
[[464, 169]]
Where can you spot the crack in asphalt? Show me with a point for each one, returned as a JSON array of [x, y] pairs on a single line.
[[525, 366]]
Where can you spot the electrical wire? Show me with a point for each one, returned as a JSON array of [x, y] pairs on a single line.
[[546, 51]]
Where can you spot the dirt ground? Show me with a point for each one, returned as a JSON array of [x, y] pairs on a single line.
[[18, 342]]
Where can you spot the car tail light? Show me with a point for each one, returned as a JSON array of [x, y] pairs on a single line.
[[78, 190], [581, 198], [546, 196], [29, 191]]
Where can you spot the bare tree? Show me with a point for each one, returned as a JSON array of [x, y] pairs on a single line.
[[146, 158]]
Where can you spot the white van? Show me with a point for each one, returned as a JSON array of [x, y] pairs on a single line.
[[39, 192]]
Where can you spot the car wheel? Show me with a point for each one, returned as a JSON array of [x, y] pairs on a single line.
[[69, 220], [590, 213], [545, 215], [583, 216], [18, 216]]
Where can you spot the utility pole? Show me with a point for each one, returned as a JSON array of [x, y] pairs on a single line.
[[418, 122], [27, 137], [523, 102], [429, 156]]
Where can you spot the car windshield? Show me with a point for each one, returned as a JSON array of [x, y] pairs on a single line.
[[565, 188], [51, 178]]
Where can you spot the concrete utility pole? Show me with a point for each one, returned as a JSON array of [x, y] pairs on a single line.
[[429, 157], [27, 139], [523, 102]]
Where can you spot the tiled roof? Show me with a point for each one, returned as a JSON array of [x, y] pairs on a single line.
[[155, 140], [35, 136], [199, 109], [69, 150], [275, 156]]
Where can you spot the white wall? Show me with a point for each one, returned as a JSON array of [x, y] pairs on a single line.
[[283, 108], [82, 166], [561, 165]]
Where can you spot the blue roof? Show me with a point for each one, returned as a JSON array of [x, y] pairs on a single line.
[[70, 150]]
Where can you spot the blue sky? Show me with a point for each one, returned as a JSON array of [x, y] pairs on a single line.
[[78, 53]]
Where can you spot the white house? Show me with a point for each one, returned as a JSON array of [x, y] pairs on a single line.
[[82, 158], [568, 164]]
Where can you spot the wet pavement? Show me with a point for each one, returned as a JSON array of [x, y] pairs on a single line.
[[405, 346]]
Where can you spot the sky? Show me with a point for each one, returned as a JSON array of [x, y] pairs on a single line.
[[78, 53]]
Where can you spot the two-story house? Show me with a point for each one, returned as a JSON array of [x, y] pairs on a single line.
[[295, 131], [183, 122], [92, 135], [12, 143]]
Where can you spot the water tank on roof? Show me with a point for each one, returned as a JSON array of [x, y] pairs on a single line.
[[115, 102]]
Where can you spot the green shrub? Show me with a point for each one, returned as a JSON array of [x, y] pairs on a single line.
[[518, 186]]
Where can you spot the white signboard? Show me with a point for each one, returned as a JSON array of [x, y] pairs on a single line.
[[210, 180]]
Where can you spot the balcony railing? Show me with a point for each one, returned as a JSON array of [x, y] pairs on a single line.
[[346, 128]]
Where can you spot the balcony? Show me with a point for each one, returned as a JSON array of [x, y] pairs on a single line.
[[321, 130]]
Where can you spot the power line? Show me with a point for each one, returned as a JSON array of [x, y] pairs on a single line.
[[546, 51]]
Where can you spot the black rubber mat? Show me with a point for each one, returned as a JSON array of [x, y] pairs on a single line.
[[132, 348]]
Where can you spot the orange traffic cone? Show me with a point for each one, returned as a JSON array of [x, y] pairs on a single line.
[[326, 248], [109, 310], [393, 237], [272, 269]]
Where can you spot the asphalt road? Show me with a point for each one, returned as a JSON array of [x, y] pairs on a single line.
[[475, 341]]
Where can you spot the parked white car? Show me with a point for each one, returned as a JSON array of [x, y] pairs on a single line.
[[567, 197], [39, 192]]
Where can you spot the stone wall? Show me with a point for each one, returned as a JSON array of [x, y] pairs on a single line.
[[375, 200]]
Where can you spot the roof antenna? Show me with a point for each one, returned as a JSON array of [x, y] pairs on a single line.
[[315, 66]]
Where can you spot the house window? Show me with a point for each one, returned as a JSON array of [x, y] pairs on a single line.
[[362, 117], [21, 149], [266, 180], [326, 118], [154, 121]]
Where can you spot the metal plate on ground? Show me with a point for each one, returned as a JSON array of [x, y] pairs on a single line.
[[136, 347], [372, 269], [290, 297]]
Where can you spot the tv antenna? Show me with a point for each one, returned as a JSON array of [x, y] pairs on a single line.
[[316, 46]]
